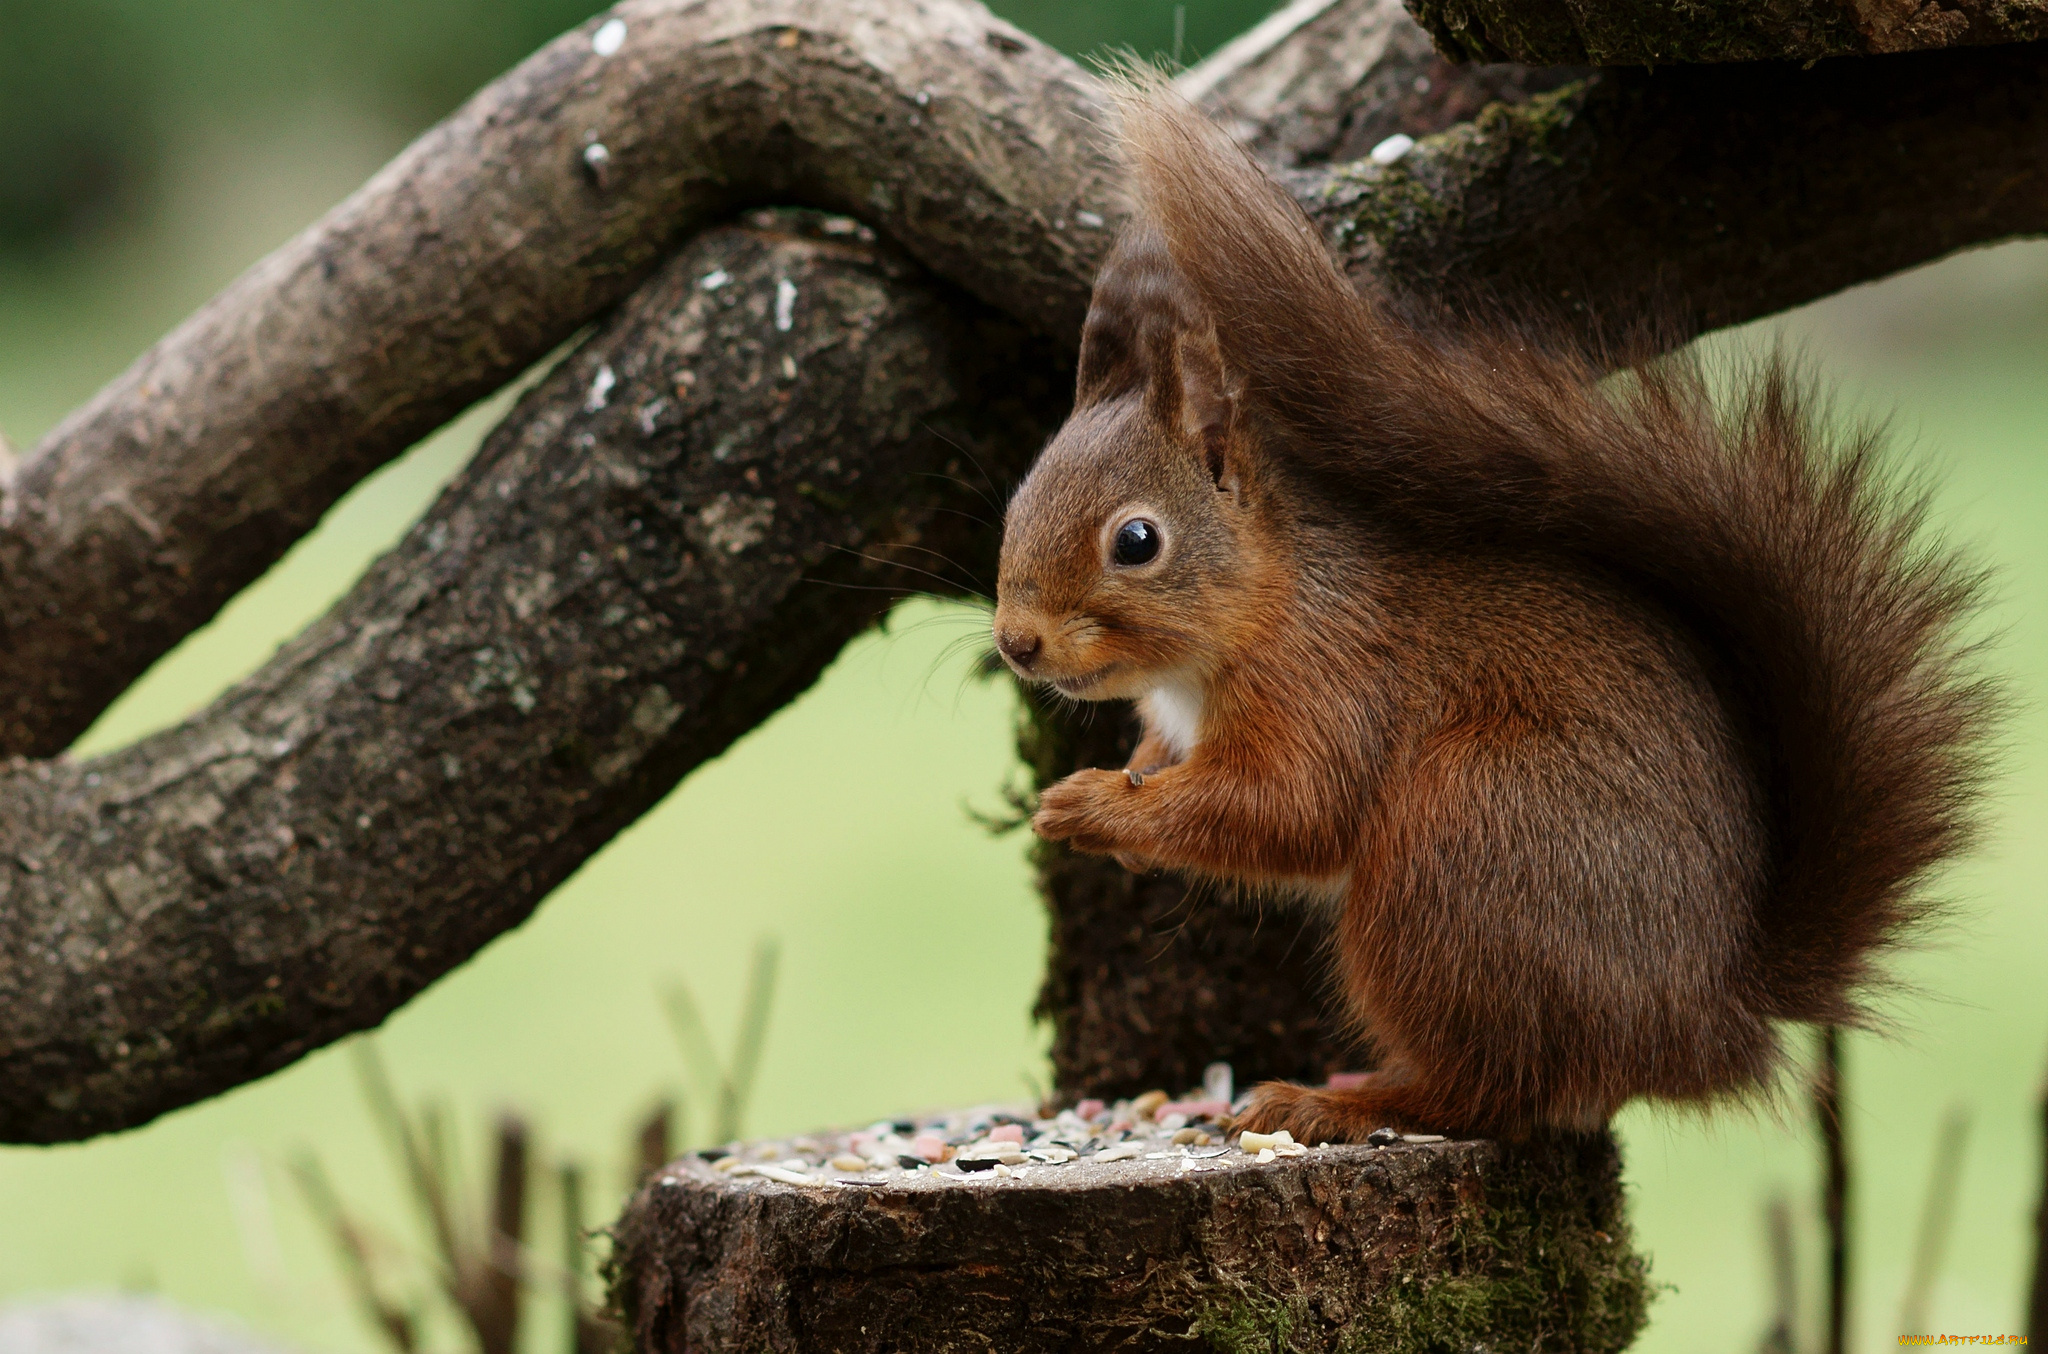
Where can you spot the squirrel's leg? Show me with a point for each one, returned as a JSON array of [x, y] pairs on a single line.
[[1406, 965], [1152, 755], [1514, 942]]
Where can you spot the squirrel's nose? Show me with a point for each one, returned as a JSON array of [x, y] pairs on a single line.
[[1019, 646]]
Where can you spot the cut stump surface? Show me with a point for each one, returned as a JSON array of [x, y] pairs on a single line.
[[1409, 1247]]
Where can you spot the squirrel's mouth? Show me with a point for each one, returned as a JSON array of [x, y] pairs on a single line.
[[1078, 687]]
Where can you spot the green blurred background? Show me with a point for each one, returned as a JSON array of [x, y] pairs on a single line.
[[150, 149]]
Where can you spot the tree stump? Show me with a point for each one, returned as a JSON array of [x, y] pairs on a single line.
[[1407, 1247]]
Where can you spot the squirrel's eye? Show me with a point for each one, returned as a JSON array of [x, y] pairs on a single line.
[[1137, 542]]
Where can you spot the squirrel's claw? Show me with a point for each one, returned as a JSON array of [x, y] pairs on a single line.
[[1079, 811]]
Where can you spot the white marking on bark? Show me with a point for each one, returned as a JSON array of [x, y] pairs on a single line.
[[609, 37], [1392, 149]]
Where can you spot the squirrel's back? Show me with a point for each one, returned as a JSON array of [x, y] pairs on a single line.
[[1780, 545]]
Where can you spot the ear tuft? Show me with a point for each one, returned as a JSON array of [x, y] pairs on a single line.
[[1203, 406], [1250, 261], [1140, 307], [1148, 332]]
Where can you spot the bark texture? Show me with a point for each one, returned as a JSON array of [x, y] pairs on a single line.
[[1630, 33], [666, 541], [1405, 1249]]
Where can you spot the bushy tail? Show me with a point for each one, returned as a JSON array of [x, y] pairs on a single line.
[[1783, 544]]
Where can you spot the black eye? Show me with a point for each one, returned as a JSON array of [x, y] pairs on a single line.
[[1137, 542]]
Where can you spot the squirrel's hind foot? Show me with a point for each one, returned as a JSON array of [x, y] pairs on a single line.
[[1319, 1114]]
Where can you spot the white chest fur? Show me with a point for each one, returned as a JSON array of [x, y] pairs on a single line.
[[1174, 713]]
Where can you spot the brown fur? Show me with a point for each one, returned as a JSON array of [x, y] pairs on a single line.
[[1616, 730]]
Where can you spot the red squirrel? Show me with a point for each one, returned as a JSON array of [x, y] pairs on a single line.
[[1614, 728]]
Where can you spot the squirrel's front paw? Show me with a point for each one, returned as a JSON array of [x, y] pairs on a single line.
[[1081, 809]]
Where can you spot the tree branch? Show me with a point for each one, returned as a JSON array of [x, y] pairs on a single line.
[[1629, 33], [667, 540], [973, 146], [489, 242], [1719, 193], [1327, 80]]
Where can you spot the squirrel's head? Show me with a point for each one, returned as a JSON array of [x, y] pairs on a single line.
[[1129, 546]]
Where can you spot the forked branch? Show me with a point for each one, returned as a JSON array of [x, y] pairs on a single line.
[[680, 526]]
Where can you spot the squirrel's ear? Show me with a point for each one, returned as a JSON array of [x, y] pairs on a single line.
[[1192, 392], [1124, 301], [1147, 329], [1141, 303]]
